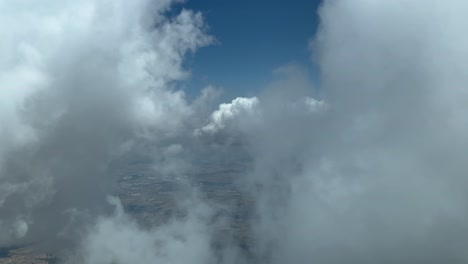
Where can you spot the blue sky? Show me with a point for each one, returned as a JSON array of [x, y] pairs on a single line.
[[254, 37]]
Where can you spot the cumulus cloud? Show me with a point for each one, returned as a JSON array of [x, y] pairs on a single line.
[[379, 177], [290, 92], [83, 82], [228, 118]]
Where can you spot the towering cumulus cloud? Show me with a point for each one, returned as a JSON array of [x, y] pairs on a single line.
[[81, 82]]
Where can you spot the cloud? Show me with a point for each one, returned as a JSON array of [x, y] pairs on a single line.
[[372, 171], [119, 239], [289, 92], [228, 117], [313, 104], [83, 82], [379, 176]]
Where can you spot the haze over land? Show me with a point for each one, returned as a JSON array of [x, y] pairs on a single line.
[[104, 158]]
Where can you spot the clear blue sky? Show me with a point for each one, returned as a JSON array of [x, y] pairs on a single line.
[[254, 37]]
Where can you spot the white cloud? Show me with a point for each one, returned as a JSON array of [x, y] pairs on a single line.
[[228, 115], [119, 239], [379, 177], [313, 104], [81, 82], [288, 94]]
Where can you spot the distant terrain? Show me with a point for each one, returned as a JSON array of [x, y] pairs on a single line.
[[150, 199]]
